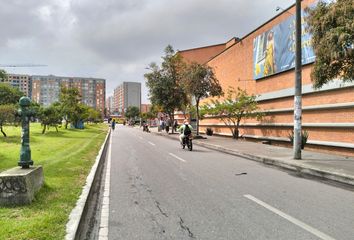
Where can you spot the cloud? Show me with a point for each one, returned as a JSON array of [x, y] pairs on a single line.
[[115, 39]]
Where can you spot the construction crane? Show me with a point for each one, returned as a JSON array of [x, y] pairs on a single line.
[[21, 65]]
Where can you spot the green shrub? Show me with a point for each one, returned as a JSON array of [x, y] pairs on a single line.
[[304, 138], [209, 132]]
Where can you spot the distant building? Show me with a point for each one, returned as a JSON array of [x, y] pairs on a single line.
[[125, 95], [46, 89], [109, 105], [19, 81], [145, 108]]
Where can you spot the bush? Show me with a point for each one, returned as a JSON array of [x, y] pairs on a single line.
[[209, 132], [304, 138]]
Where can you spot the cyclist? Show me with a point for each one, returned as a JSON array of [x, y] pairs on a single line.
[[185, 129]]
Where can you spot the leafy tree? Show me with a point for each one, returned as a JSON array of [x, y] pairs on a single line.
[[81, 115], [165, 83], [236, 106], [7, 116], [9, 97], [93, 115], [3, 75], [200, 82], [147, 115], [155, 109], [69, 99], [50, 116], [9, 94], [132, 112], [332, 29]]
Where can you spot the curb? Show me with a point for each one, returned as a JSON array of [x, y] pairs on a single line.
[[76, 215], [297, 167]]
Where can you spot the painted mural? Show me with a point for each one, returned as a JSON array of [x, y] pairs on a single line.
[[274, 50]]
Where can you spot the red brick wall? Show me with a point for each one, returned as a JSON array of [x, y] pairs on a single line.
[[203, 54], [234, 67]]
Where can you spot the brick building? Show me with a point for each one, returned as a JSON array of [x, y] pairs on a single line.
[[109, 105], [144, 108], [125, 95], [20, 81], [46, 90], [328, 112]]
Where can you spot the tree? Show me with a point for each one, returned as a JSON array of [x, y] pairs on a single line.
[[9, 94], [200, 82], [132, 112], [69, 99], [9, 97], [3, 75], [7, 116], [165, 83], [236, 106], [147, 115], [50, 116], [332, 29], [81, 114], [93, 115]]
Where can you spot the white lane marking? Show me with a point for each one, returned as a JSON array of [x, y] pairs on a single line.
[[103, 231], [151, 143], [177, 157], [290, 218]]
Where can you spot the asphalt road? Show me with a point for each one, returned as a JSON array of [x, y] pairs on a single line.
[[160, 191]]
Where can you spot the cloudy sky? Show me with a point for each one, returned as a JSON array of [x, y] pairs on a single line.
[[116, 39]]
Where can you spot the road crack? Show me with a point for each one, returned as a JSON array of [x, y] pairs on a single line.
[[158, 206], [186, 228], [239, 174]]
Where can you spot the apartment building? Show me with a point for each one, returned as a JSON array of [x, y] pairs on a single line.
[[109, 105], [46, 89], [19, 81], [125, 95]]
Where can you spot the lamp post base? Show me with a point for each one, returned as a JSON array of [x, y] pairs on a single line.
[[25, 164]]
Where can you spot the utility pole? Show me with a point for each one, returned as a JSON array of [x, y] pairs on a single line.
[[298, 84]]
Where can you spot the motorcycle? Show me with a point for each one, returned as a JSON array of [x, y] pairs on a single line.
[[188, 141], [146, 128]]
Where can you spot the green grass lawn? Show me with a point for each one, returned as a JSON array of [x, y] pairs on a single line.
[[66, 157]]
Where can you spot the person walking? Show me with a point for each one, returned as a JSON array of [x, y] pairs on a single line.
[[175, 125], [113, 125]]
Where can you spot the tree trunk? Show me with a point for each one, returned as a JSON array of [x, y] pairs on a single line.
[[44, 128], [235, 133], [2, 131], [56, 128], [197, 106], [172, 122], [236, 130], [66, 124]]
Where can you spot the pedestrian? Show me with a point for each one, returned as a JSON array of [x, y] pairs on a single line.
[[168, 124], [163, 124], [175, 125], [113, 125]]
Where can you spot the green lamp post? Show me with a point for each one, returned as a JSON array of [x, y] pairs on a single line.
[[25, 113]]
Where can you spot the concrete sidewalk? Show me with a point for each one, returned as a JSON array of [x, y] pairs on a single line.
[[328, 166]]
